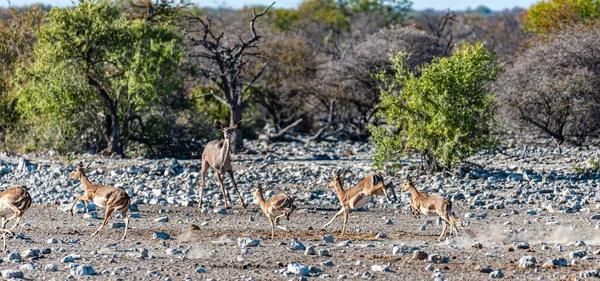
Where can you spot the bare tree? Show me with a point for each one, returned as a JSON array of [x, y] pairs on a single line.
[[555, 86], [225, 64]]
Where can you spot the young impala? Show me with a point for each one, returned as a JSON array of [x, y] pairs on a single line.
[[114, 199], [15, 200], [357, 196], [431, 205], [278, 206]]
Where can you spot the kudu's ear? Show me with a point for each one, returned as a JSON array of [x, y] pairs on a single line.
[[218, 125], [238, 125]]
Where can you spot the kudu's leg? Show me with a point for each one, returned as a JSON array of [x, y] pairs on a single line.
[[236, 188], [345, 222], [205, 167], [224, 191]]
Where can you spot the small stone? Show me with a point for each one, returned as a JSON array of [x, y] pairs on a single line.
[[12, 273], [310, 251], [429, 267], [46, 251], [193, 227], [297, 246], [51, 267], [328, 238], [200, 270], [161, 236], [173, 251], [83, 270], [423, 228], [14, 257], [435, 258], [497, 274], [483, 269], [220, 211], [380, 268], [298, 269], [419, 255], [381, 235], [251, 219], [52, 241], [577, 254], [510, 249], [67, 259], [248, 242], [588, 273], [523, 246], [161, 219], [477, 245], [527, 262], [389, 221], [327, 263], [31, 253], [324, 253]]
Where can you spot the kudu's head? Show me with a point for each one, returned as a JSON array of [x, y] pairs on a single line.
[[79, 171], [337, 179], [227, 131]]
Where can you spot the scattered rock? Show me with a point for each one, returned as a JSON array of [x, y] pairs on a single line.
[[161, 219], [310, 251], [380, 268], [297, 246], [51, 267], [298, 269], [419, 255], [248, 242], [83, 270], [328, 238], [497, 274], [12, 273], [527, 262], [161, 236]]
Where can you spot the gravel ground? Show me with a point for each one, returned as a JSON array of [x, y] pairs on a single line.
[[526, 215]]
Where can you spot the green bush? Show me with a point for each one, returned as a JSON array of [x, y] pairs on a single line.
[[444, 112], [548, 16]]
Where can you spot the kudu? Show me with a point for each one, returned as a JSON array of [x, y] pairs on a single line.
[[217, 154]]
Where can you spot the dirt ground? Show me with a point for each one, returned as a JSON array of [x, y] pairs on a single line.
[[214, 245]]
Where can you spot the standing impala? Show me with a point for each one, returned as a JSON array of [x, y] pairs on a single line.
[[14, 200], [216, 154], [431, 205], [114, 199], [357, 196]]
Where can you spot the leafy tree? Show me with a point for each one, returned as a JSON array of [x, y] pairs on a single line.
[[548, 16], [17, 37], [96, 72], [445, 112], [554, 86]]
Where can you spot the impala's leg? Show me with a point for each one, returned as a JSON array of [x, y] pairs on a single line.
[[443, 235], [384, 188], [334, 217], [17, 214], [3, 237], [236, 188], [277, 219], [272, 226], [453, 225], [82, 197], [109, 211], [345, 222], [202, 175], [390, 186], [126, 219], [224, 191], [287, 214]]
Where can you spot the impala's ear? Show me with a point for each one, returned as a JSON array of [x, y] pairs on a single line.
[[238, 125], [342, 174], [218, 125], [88, 166], [413, 180]]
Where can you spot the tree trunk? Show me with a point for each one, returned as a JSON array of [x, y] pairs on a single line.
[[114, 135], [235, 115]]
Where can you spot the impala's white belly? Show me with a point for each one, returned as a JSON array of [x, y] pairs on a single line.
[[361, 202], [100, 201], [427, 212]]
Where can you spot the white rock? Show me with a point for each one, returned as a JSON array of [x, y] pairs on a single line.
[[297, 269], [380, 268], [51, 267], [248, 242], [12, 273], [83, 270]]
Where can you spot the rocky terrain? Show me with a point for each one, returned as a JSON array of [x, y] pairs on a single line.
[[529, 212]]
